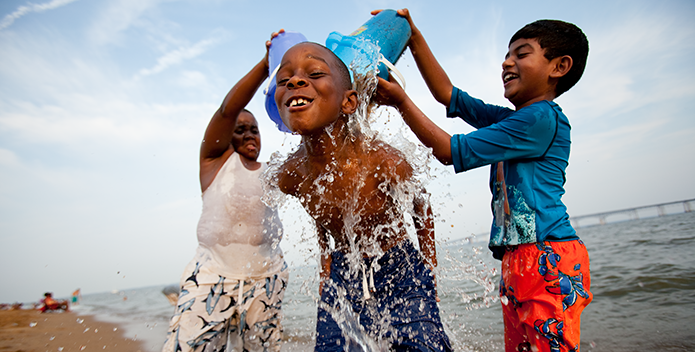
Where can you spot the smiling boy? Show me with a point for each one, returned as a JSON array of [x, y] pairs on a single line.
[[545, 267], [357, 190]]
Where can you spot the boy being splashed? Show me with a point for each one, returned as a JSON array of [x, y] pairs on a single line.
[[358, 194]]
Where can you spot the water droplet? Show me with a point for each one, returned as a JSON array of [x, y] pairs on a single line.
[[52, 338], [32, 324], [85, 330]]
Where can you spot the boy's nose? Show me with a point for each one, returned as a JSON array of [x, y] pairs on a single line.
[[507, 63], [296, 82]]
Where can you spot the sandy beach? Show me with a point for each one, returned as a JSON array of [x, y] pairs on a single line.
[[33, 331]]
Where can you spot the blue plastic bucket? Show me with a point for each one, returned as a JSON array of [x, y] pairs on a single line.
[[279, 45], [387, 30]]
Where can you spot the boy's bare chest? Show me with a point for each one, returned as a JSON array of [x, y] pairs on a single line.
[[344, 192]]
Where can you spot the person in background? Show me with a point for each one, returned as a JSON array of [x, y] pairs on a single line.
[[76, 297], [232, 290], [51, 304]]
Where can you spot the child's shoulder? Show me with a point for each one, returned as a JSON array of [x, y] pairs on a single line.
[[293, 171], [538, 110], [386, 157]]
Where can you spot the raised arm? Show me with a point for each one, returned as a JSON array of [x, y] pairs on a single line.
[[432, 72], [218, 135], [431, 135]]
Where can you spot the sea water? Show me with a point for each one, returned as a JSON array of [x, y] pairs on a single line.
[[642, 276]]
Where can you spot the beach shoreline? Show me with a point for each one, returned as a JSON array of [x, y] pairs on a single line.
[[29, 330]]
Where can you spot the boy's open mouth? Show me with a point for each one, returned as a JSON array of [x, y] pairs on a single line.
[[298, 102], [509, 76]]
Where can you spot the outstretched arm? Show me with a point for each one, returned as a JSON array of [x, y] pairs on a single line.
[[218, 135], [431, 135], [432, 72]]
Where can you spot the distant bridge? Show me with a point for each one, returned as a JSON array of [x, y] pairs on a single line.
[[647, 211]]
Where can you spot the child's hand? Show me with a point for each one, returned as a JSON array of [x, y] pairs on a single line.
[[269, 42], [403, 13], [389, 92]]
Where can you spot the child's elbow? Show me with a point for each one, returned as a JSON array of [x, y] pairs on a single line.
[[444, 95], [444, 157]]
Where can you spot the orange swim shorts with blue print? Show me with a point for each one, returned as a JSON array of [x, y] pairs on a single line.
[[544, 289]]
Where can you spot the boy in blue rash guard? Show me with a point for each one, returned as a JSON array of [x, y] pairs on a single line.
[[545, 267]]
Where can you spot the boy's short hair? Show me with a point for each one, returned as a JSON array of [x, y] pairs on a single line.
[[343, 71], [559, 38]]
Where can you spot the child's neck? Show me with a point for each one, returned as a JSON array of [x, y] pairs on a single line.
[[548, 95], [332, 143]]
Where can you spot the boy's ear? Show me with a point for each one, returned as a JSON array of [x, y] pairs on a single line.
[[561, 65], [349, 102]]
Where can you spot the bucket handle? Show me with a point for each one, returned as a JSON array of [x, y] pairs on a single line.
[[393, 69], [270, 79]]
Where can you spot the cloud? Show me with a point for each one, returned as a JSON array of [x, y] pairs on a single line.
[[192, 79], [106, 124], [29, 8], [177, 56], [8, 157], [118, 17], [632, 65]]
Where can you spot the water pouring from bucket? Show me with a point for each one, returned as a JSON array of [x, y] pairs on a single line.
[[375, 292], [385, 35], [386, 30]]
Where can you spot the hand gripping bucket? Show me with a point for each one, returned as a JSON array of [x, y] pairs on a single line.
[[279, 45], [387, 29]]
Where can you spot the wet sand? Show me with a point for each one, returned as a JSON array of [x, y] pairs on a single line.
[[33, 331]]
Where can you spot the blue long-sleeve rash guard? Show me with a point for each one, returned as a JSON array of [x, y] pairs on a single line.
[[534, 145]]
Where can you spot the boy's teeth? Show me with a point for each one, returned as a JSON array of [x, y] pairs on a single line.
[[296, 102]]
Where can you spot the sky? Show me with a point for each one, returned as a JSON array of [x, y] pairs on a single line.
[[103, 105]]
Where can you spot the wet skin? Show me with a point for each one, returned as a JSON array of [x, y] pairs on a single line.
[[344, 184]]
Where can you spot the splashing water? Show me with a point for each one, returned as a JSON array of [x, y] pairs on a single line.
[[373, 127]]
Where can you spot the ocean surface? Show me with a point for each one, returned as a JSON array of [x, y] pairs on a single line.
[[643, 280]]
